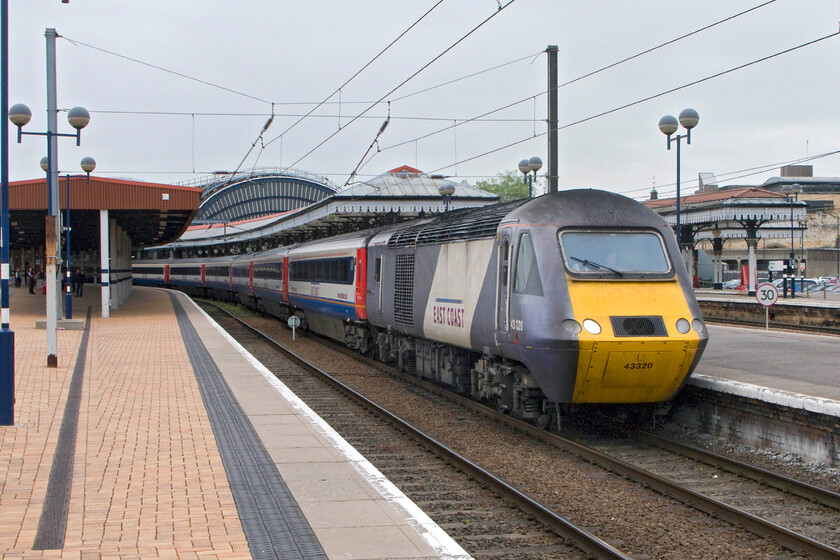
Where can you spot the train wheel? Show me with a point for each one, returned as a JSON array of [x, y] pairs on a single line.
[[499, 404], [544, 421]]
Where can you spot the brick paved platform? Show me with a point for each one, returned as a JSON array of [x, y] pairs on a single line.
[[147, 478]]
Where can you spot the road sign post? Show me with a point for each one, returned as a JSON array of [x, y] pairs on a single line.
[[767, 295]]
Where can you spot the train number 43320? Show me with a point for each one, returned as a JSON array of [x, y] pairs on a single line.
[[639, 365]]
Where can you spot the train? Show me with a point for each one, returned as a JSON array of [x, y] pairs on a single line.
[[537, 306]]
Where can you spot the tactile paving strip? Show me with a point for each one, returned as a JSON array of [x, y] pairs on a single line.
[[52, 526], [271, 518]]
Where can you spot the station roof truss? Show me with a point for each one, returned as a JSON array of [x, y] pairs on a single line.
[[734, 213], [149, 213], [398, 195]]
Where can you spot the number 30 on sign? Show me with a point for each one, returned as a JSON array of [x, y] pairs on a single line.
[[767, 294]]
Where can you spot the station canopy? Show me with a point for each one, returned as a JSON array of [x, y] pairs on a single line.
[[149, 213], [732, 213], [400, 194]]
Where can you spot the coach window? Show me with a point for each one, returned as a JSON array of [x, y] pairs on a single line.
[[526, 278]]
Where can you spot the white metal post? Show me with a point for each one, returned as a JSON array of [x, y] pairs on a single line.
[[53, 287], [104, 255], [114, 287], [753, 264]]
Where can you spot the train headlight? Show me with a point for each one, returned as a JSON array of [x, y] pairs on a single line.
[[698, 325], [683, 326], [591, 326], [571, 326]]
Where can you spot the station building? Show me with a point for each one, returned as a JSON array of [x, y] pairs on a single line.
[[794, 212], [108, 219]]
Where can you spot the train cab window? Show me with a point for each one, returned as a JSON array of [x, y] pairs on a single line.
[[615, 254], [526, 278]]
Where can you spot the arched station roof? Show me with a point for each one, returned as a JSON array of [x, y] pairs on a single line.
[[259, 193], [149, 213]]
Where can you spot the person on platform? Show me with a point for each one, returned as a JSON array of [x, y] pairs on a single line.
[[30, 279], [17, 278], [80, 283]]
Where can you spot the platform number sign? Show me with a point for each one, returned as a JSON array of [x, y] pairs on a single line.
[[767, 294]]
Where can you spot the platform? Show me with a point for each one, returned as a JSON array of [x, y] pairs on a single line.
[[795, 370], [157, 436]]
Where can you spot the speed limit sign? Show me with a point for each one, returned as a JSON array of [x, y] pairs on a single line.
[[767, 294]]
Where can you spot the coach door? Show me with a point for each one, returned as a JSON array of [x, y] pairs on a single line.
[[375, 267], [503, 284]]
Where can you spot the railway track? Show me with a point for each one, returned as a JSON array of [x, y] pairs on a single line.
[[715, 540], [773, 326], [463, 500], [795, 513]]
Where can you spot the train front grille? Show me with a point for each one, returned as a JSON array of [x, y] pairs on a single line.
[[638, 326]]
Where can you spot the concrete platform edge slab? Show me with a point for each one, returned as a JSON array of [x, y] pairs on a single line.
[[775, 396]]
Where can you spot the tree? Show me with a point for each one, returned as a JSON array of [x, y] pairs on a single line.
[[508, 186]]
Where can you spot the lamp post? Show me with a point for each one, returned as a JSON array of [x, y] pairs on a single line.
[[668, 125], [78, 117], [792, 192], [526, 166], [7, 335]]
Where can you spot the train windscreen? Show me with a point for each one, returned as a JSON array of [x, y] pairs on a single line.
[[615, 253]]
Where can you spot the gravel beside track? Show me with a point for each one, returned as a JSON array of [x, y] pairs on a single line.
[[801, 515], [631, 518]]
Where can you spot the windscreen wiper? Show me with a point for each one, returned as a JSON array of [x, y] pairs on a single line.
[[596, 265]]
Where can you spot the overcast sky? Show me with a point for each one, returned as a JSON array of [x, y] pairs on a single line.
[[211, 71]]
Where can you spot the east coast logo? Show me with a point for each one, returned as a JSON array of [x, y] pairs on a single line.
[[448, 312]]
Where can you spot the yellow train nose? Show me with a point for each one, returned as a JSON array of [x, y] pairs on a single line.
[[632, 372], [626, 355]]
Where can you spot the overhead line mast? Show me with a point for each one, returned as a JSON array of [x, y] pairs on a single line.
[[552, 119]]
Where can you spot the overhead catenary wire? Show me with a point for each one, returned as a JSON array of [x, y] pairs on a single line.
[[260, 140], [669, 188], [372, 144], [474, 74], [579, 78], [330, 116], [663, 188], [432, 61], [362, 69], [666, 43], [162, 69], [327, 102], [639, 101], [396, 117], [318, 104]]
